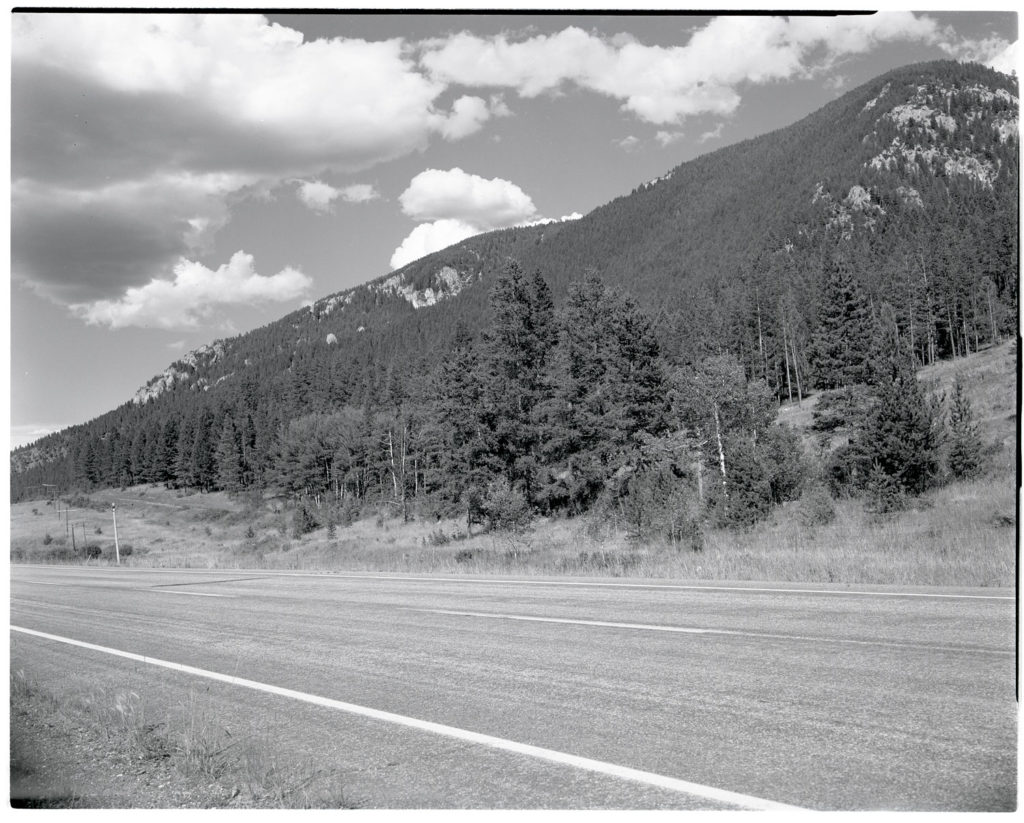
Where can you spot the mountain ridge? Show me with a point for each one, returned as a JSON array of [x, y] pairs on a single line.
[[708, 248]]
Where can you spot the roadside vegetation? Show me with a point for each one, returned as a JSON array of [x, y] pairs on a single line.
[[137, 759], [957, 531]]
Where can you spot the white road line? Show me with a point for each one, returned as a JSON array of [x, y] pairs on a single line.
[[42, 583], [670, 586], [732, 632], [500, 581], [191, 594], [624, 772]]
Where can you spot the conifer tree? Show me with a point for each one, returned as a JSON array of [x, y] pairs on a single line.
[[606, 386], [903, 431], [229, 457], [456, 430], [964, 441], [841, 345], [203, 460], [515, 354]]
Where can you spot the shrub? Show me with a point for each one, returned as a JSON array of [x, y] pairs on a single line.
[[780, 452], [439, 537], [815, 507], [885, 492], [463, 555], [303, 520], [505, 508], [749, 492], [847, 407], [92, 551], [656, 503], [48, 539]]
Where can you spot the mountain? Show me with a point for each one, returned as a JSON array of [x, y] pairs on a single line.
[[911, 179]]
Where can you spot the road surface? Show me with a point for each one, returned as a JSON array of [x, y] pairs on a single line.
[[426, 691]]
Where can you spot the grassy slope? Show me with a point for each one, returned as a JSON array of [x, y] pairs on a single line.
[[960, 534]]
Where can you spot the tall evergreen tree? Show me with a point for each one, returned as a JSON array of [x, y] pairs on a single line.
[[203, 460], [456, 432], [229, 457], [903, 432], [964, 441], [606, 387], [515, 353], [841, 345]]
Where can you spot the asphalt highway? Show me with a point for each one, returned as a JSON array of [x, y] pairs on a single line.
[[425, 692]]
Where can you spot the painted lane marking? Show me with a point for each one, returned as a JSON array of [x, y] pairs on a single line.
[[44, 583], [550, 755], [192, 594], [498, 581], [730, 632], [668, 586]]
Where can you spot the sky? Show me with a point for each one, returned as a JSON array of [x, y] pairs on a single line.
[[181, 178]]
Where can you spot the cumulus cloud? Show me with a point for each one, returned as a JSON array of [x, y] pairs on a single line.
[[457, 205], [435, 194], [667, 84], [134, 135], [319, 196], [193, 294], [995, 52], [431, 237], [628, 143]]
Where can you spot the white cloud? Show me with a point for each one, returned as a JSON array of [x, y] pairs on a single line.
[[359, 193], [319, 196], [1007, 61], [667, 84], [430, 237], [628, 143], [467, 117], [177, 345], [460, 205], [546, 220], [994, 52], [712, 134], [435, 194], [193, 295], [187, 115], [667, 138]]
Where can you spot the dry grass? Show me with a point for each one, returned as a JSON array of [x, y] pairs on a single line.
[[248, 768], [962, 534]]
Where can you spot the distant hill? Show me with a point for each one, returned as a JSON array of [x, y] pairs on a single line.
[[912, 179]]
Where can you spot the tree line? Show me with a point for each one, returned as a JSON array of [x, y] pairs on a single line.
[[563, 412]]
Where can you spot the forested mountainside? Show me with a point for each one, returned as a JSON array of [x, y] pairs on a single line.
[[757, 268]]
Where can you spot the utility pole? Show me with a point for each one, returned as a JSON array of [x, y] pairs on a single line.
[[117, 550]]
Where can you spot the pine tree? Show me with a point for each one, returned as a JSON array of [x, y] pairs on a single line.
[[841, 345], [203, 460], [964, 441], [903, 431], [606, 386], [456, 432], [229, 457], [515, 354]]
